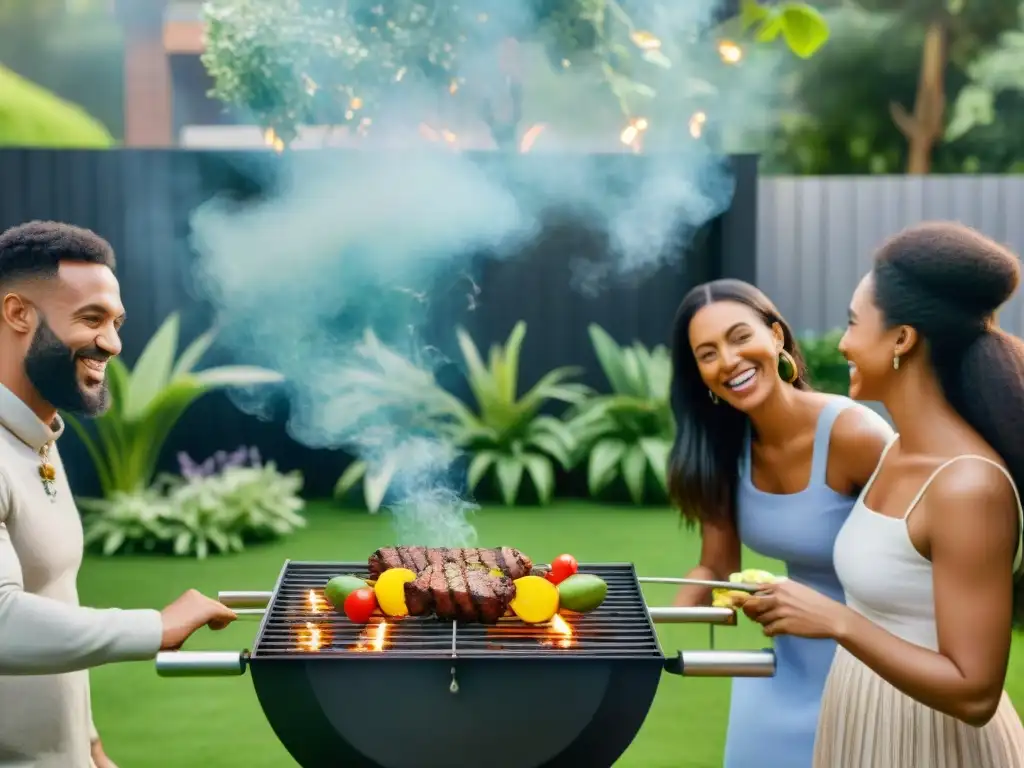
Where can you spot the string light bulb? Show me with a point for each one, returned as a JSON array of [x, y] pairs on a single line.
[[729, 52], [697, 124]]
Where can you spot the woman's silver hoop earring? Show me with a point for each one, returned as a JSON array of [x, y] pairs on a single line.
[[895, 362], [713, 396]]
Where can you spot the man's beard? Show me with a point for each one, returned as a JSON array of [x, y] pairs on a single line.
[[52, 367]]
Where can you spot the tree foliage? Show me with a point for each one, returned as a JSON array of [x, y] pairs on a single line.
[[999, 70], [841, 122], [342, 62]]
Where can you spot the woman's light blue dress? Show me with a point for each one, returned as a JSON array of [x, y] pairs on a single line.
[[772, 721]]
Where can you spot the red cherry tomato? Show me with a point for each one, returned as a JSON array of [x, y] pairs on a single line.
[[562, 567], [360, 605]]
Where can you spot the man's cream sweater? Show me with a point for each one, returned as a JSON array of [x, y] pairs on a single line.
[[47, 641]]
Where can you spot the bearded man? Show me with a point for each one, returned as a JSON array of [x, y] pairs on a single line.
[[60, 317]]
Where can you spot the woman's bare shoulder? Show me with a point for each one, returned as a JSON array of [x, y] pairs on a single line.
[[859, 437]]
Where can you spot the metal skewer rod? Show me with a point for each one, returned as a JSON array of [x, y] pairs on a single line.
[[249, 613], [692, 615], [751, 588], [234, 599]]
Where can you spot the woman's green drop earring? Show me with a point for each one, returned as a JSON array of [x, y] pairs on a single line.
[[787, 367]]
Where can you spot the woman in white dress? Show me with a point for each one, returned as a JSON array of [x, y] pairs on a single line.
[[930, 558]]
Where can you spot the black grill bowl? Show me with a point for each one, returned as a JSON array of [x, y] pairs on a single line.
[[379, 712], [520, 700], [418, 692]]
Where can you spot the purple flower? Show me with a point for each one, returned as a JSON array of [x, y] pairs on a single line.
[[188, 468], [242, 456]]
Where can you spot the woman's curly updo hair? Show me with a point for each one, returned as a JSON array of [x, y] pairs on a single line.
[[947, 281]]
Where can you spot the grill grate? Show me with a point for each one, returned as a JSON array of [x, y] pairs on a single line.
[[298, 625]]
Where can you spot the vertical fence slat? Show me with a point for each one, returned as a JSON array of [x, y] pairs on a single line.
[[850, 217]]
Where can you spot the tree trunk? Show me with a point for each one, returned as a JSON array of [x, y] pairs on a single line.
[[502, 108], [923, 129]]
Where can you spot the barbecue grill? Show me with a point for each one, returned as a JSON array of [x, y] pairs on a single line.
[[419, 692]]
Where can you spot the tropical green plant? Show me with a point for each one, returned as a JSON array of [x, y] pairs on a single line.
[[198, 516], [507, 435], [381, 381], [827, 369], [137, 521], [628, 433], [146, 403]]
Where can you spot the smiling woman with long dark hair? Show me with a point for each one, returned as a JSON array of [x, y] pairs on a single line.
[[931, 557], [762, 460]]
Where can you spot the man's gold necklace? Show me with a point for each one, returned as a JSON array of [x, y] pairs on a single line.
[[47, 472]]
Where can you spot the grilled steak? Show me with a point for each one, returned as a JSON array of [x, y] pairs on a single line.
[[509, 561], [459, 591]]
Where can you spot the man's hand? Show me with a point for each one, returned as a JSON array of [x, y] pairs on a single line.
[[187, 614], [99, 757]]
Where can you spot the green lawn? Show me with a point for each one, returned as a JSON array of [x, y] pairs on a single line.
[[150, 721]]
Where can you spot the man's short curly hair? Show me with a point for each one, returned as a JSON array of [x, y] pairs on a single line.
[[36, 249]]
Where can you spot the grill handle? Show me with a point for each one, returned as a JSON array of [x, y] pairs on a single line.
[[244, 599], [723, 663], [692, 615], [201, 663]]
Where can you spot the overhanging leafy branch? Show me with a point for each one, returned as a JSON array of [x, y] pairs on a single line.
[[339, 62]]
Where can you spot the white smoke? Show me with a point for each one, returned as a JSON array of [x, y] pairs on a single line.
[[358, 241]]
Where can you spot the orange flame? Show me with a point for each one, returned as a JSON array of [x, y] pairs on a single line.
[[526, 143], [312, 639], [372, 638], [314, 602], [379, 636], [564, 636]]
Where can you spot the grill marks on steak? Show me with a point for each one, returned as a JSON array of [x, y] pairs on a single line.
[[472, 584], [418, 598], [508, 560], [413, 558], [459, 591]]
